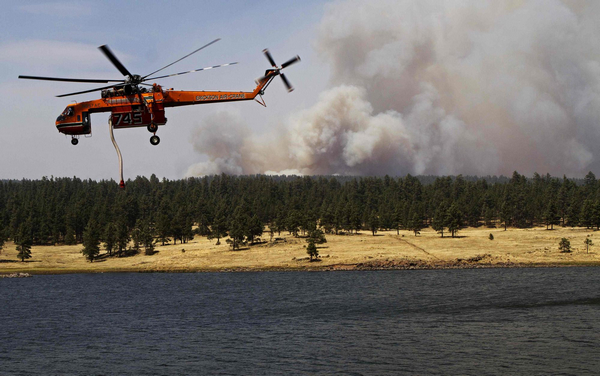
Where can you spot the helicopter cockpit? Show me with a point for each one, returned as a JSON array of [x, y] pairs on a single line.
[[74, 122], [68, 112]]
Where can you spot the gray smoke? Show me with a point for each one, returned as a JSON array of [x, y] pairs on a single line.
[[440, 87], [223, 143]]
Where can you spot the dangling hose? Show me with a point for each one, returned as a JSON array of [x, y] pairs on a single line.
[[112, 137]]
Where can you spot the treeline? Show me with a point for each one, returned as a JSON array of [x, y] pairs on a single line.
[[61, 210]]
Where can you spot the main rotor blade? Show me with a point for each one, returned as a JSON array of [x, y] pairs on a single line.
[[290, 62], [287, 83], [269, 57], [195, 70], [88, 80], [86, 91], [113, 59], [191, 53]]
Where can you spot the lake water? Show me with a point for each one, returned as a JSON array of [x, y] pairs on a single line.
[[482, 321]]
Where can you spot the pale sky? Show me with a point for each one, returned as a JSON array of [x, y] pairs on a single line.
[[61, 39]]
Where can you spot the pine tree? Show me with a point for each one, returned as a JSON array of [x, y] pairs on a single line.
[[505, 214], [416, 224], [147, 236], [163, 228], [317, 236], [564, 245], [2, 238], [355, 218], [327, 219], [293, 222], [397, 217], [188, 232], [136, 237], [589, 184], [373, 222], [122, 236], [574, 209], [110, 238], [279, 223], [453, 219], [587, 214], [24, 241], [70, 236], [439, 219], [255, 229], [312, 250], [386, 217], [340, 218], [587, 243], [596, 214], [178, 226], [551, 215], [23, 250], [237, 227], [219, 227], [562, 202], [308, 221], [519, 209], [91, 240], [488, 216], [204, 217]]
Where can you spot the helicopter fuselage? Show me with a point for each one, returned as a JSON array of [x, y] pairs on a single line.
[[143, 109]]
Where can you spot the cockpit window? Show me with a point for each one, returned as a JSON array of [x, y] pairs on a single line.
[[68, 111]]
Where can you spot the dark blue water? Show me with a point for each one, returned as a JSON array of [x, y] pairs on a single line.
[[492, 321]]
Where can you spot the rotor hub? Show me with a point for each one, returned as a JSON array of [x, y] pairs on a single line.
[[133, 79]]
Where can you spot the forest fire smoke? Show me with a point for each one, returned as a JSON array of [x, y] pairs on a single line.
[[428, 87]]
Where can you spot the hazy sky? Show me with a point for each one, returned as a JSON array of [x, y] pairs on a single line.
[[61, 39], [385, 86]]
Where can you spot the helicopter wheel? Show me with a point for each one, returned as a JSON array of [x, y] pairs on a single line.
[[152, 127], [74, 141], [155, 140]]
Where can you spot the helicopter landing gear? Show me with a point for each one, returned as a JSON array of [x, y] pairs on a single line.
[[74, 141], [152, 128]]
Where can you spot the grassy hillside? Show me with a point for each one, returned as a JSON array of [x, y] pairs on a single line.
[[515, 247]]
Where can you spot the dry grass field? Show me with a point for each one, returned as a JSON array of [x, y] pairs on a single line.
[[515, 247]]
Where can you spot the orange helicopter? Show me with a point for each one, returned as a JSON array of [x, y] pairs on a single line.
[[132, 105]]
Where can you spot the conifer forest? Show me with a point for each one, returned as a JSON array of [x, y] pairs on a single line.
[[150, 211]]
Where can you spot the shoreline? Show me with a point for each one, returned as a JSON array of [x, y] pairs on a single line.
[[375, 266]]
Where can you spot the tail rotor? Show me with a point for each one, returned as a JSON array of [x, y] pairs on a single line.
[[277, 69]]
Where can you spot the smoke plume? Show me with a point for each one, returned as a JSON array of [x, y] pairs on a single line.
[[438, 87]]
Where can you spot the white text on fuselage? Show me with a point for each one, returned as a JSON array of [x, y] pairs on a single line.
[[219, 97]]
